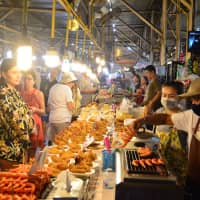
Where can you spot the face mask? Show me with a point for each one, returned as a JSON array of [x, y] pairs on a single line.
[[196, 109], [169, 103]]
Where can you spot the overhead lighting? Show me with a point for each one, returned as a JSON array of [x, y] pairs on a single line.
[[9, 54], [52, 58], [83, 68], [34, 58], [102, 62], [98, 60], [24, 57], [65, 65], [105, 71], [76, 66], [24, 51]]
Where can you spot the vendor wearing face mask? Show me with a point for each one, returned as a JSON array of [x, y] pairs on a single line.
[[188, 121], [173, 142], [170, 101]]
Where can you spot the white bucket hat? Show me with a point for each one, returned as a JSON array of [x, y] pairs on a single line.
[[67, 77], [193, 90]]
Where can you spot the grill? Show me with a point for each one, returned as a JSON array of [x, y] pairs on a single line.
[[131, 155], [151, 182]]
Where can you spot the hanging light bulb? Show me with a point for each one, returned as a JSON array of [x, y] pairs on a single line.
[[24, 51], [9, 54], [52, 58], [65, 65], [24, 57]]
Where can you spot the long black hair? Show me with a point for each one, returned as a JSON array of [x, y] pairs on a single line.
[[6, 65]]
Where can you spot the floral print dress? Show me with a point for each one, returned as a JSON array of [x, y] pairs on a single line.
[[16, 124]]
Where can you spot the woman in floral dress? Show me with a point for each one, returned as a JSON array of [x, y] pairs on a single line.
[[16, 122]]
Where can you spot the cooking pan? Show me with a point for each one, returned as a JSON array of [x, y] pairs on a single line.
[[144, 134]]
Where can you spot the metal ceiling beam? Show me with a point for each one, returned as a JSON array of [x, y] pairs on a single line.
[[10, 11], [125, 43], [135, 33], [32, 9], [141, 17], [178, 6], [186, 4], [128, 38], [8, 42], [171, 28], [2, 26], [130, 24], [70, 10]]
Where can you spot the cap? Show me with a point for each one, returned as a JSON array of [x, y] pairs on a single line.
[[67, 77]]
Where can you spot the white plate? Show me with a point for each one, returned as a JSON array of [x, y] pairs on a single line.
[[86, 174]]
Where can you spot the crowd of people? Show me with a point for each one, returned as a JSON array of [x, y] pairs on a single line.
[[24, 103], [62, 95]]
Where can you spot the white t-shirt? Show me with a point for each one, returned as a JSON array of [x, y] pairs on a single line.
[[59, 95], [187, 121]]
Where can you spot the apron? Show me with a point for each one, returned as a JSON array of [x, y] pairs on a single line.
[[193, 170]]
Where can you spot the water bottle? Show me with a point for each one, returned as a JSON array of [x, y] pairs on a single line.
[[108, 179]]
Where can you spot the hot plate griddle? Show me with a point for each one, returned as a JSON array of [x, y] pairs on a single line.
[[131, 155]]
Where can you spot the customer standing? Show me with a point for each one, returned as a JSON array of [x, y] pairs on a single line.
[[16, 122], [153, 93], [47, 83], [188, 121], [35, 101], [87, 88], [60, 104]]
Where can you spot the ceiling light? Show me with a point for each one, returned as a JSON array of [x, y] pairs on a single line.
[[24, 57], [98, 60], [65, 65], [52, 58], [34, 58], [102, 62], [9, 54]]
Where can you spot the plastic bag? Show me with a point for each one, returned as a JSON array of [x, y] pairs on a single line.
[[125, 105]]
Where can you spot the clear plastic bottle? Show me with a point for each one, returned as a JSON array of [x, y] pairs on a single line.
[[108, 179]]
